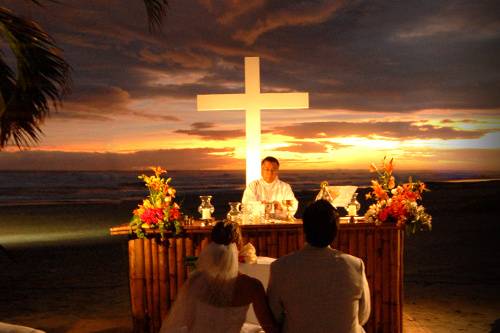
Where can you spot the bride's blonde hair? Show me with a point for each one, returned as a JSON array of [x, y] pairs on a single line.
[[226, 232]]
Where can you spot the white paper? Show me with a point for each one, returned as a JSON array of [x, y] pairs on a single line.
[[341, 195]]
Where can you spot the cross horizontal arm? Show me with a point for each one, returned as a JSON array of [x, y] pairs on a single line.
[[271, 101], [221, 102]]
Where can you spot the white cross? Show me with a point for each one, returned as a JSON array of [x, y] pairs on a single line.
[[252, 101]]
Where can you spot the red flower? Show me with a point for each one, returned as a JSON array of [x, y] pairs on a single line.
[[152, 215], [174, 213], [382, 215]]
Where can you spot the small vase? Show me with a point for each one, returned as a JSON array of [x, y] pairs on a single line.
[[354, 206], [206, 208], [234, 214]]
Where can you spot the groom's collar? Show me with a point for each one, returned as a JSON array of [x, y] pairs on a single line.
[[309, 247]]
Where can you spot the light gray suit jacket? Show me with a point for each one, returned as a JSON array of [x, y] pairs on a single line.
[[319, 290]]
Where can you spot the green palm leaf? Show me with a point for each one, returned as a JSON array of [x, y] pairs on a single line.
[[41, 80], [42, 76]]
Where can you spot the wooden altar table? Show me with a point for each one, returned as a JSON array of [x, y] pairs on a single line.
[[157, 269]]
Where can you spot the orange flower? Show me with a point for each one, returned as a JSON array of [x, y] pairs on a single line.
[[392, 182], [389, 167], [378, 190], [158, 170], [373, 167]]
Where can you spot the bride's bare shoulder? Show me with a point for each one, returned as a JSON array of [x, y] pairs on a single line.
[[249, 283]]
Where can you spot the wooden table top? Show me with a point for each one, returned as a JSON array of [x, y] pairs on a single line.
[[198, 226]]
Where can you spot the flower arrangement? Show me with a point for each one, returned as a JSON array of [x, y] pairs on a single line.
[[397, 203], [158, 210]]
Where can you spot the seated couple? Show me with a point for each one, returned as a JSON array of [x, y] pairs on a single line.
[[316, 289]]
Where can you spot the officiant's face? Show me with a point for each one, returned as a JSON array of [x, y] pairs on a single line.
[[269, 171]]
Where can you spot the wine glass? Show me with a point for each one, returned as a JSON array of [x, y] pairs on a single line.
[[287, 204], [268, 207]]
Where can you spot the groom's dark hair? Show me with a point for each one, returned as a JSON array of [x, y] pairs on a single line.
[[320, 223]]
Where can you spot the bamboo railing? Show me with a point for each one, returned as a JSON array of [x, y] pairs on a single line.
[[157, 267]]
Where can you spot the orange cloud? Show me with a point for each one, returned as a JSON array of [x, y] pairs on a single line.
[[237, 8], [186, 58], [297, 16], [405, 130]]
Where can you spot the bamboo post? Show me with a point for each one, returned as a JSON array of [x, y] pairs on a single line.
[[138, 296], [261, 244], [370, 275], [189, 253], [180, 262], [282, 243], [172, 269], [377, 288], [273, 245], [386, 255], [401, 278], [163, 281], [353, 243], [300, 238], [156, 286], [148, 275]]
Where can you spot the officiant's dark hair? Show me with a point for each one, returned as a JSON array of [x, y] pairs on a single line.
[[320, 223], [226, 232], [270, 159]]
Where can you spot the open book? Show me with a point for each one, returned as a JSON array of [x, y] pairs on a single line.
[[338, 196]]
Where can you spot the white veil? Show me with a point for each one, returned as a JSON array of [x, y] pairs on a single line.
[[212, 282]]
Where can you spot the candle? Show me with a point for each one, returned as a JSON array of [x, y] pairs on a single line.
[[205, 214], [351, 210]]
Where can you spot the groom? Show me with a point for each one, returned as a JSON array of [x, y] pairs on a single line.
[[319, 289]]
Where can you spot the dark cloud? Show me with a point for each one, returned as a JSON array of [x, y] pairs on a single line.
[[201, 130], [294, 14], [103, 103], [178, 159], [202, 125], [392, 130], [152, 116], [368, 56]]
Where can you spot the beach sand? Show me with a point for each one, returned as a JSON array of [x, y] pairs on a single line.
[[76, 279]]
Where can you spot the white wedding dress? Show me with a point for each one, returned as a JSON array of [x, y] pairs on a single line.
[[203, 304], [209, 318]]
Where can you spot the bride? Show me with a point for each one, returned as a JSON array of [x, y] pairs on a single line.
[[216, 296]]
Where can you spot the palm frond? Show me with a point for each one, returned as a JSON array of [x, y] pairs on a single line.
[[156, 11], [42, 79]]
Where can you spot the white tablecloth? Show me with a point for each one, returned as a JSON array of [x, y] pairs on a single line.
[[10, 328], [260, 271]]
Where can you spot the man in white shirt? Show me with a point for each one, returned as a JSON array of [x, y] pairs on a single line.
[[269, 189], [319, 289]]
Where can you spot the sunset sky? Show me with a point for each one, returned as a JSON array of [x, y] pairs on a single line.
[[415, 80]]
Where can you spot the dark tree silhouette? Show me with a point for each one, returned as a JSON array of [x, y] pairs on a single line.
[[42, 76]]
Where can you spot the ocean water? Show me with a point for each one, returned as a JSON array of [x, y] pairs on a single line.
[[68, 208], [81, 187]]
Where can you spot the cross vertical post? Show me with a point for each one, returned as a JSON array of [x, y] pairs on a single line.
[[252, 101]]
